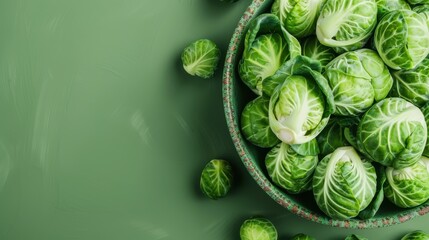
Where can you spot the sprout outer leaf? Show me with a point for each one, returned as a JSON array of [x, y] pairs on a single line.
[[201, 58], [258, 229], [216, 178]]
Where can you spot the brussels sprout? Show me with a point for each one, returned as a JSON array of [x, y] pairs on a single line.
[[290, 170], [302, 236], [332, 137], [355, 237], [402, 39], [346, 24], [255, 125], [312, 48], [300, 108], [258, 229], [268, 52], [201, 58], [216, 178], [376, 202], [412, 85], [343, 183], [298, 16], [357, 78], [416, 235], [393, 133], [385, 6], [407, 187], [292, 66], [267, 46], [425, 111]]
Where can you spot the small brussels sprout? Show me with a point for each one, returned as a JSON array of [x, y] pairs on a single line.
[[312, 48], [258, 229], [402, 39], [291, 170], [412, 85], [302, 236], [201, 58], [300, 108], [416, 235], [358, 79], [346, 25], [425, 111], [343, 183], [255, 124], [266, 47], [407, 187], [216, 178], [393, 133], [385, 6], [298, 17], [355, 237]]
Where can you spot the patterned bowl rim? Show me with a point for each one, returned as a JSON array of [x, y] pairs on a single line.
[[281, 198]]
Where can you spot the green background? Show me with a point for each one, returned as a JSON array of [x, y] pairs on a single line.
[[103, 135]]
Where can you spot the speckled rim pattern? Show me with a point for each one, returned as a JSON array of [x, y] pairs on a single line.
[[232, 119]]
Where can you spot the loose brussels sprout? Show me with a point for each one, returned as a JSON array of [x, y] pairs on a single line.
[[255, 125], [355, 237], [312, 48], [291, 170], [216, 179], [343, 183], [258, 229], [402, 39], [267, 46], [346, 24], [425, 111], [416, 235], [201, 58], [300, 108], [393, 133], [302, 236], [298, 17], [412, 85], [407, 187], [385, 6], [357, 78]]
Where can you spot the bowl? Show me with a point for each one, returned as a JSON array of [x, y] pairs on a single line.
[[235, 96]]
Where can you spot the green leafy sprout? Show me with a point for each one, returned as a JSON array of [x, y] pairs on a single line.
[[201, 58], [216, 178]]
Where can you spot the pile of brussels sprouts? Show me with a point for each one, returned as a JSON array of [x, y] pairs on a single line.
[[342, 101]]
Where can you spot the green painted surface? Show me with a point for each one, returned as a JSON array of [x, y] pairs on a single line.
[[103, 135]]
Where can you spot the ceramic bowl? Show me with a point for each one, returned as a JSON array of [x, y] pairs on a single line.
[[235, 96]]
